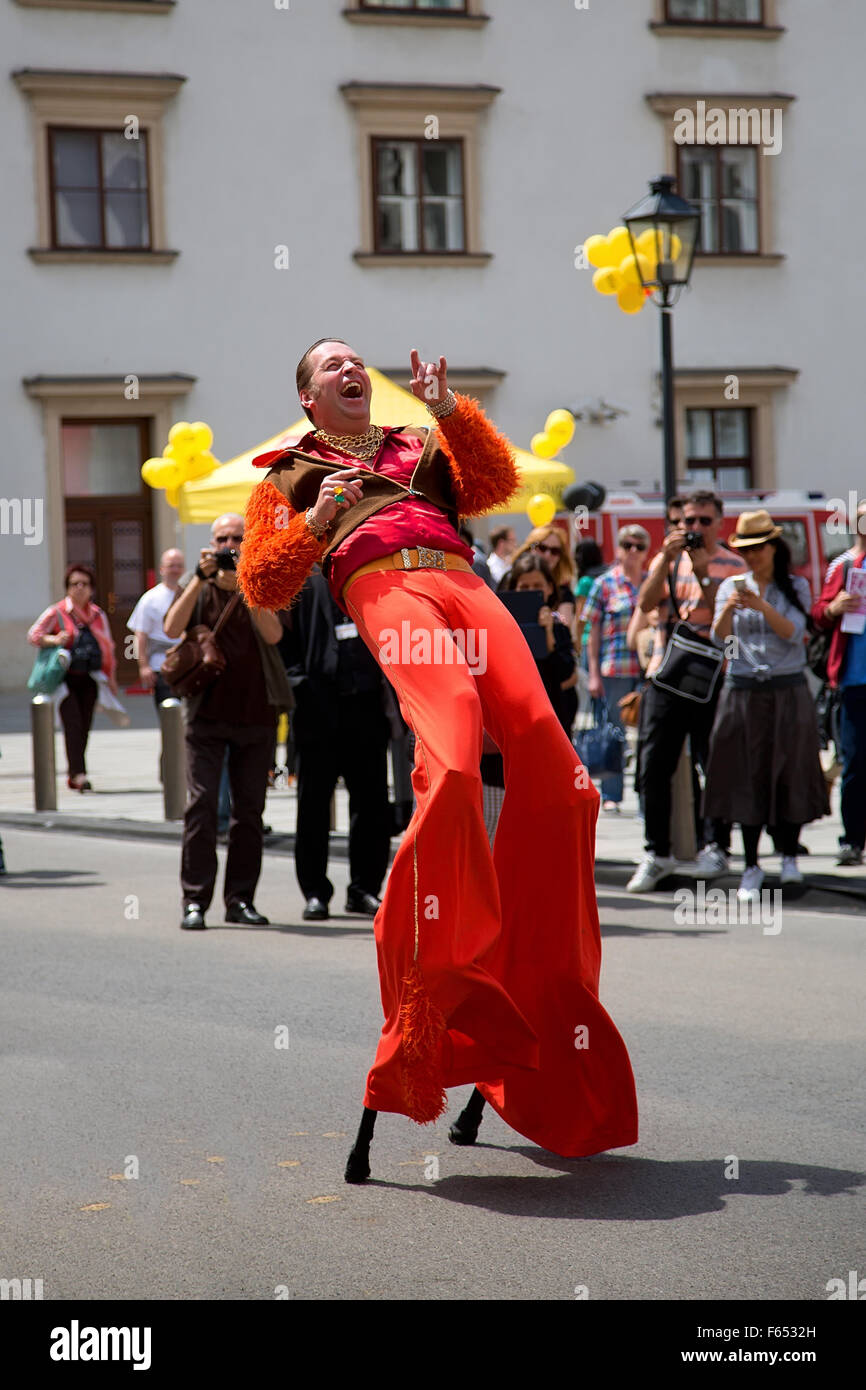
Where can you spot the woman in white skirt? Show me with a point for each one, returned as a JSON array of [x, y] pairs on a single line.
[[764, 768]]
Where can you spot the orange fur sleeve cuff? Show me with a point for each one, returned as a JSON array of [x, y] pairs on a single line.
[[279, 550], [481, 460]]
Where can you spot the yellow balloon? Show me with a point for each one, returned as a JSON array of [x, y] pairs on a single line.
[[646, 245], [160, 472], [541, 509], [199, 466], [171, 496], [631, 299], [182, 437], [559, 426], [619, 242], [543, 446], [597, 251], [607, 280], [629, 270], [203, 436], [676, 247]]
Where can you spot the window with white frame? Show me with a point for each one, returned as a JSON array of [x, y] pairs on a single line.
[[418, 195], [99, 189], [715, 11], [723, 182], [719, 448]]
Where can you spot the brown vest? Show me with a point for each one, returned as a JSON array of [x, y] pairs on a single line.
[[298, 477]]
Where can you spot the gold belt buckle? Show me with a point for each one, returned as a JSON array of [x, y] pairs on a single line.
[[431, 559]]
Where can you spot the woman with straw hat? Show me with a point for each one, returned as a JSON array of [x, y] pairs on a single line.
[[764, 768]]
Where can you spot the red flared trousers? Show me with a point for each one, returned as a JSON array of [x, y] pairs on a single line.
[[502, 950]]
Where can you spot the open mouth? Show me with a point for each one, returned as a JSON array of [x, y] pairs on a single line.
[[352, 391]]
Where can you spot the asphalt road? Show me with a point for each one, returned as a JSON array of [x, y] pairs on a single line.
[[131, 1047]]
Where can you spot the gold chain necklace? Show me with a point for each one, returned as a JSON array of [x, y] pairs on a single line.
[[360, 446]]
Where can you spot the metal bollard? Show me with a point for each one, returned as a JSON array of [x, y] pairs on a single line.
[[44, 770], [173, 759]]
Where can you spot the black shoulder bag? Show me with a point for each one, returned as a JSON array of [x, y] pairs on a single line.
[[692, 664]]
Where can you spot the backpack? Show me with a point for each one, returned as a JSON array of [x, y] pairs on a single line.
[[818, 643]]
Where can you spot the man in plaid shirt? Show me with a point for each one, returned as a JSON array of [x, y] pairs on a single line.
[[613, 668]]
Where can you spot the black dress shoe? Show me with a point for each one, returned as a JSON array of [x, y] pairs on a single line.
[[364, 903], [193, 918], [246, 914], [316, 911]]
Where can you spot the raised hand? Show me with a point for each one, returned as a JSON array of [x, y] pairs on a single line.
[[429, 382]]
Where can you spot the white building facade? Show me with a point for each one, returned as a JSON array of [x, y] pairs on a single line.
[[196, 190]]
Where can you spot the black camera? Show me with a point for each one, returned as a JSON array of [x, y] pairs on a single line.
[[694, 540], [226, 559]]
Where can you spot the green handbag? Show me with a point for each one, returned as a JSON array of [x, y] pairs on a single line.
[[49, 670]]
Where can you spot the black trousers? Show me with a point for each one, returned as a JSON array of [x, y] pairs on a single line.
[[161, 691], [76, 715], [250, 754], [665, 721], [352, 744]]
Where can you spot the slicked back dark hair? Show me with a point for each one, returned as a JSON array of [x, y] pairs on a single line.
[[304, 372]]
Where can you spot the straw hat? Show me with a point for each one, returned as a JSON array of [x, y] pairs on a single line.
[[754, 528]]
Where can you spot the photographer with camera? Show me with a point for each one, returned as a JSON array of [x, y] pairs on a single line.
[[235, 713], [689, 568]]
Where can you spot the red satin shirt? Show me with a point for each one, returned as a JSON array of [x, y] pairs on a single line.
[[410, 523]]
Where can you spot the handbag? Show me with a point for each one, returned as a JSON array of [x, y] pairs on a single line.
[[692, 664], [85, 655], [195, 663], [629, 709], [600, 747], [49, 670]]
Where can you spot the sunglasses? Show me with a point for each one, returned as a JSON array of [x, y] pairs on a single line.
[[632, 545], [548, 549], [235, 536], [698, 520]]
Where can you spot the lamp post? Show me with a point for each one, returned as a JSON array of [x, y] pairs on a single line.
[[663, 231]]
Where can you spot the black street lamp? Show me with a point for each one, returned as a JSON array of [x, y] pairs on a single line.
[[663, 230]]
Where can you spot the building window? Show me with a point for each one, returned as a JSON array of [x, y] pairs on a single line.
[[122, 6], [419, 154], [714, 11], [448, 5], [98, 150], [455, 14], [99, 189], [418, 195], [723, 182], [719, 448]]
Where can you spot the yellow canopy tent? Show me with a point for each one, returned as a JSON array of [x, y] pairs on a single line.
[[227, 489]]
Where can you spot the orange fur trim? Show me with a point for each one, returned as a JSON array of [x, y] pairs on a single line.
[[423, 1027], [279, 550], [479, 457]]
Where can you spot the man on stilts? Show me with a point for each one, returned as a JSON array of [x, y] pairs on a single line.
[[488, 962]]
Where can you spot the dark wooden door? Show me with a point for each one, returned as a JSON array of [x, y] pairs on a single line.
[[112, 533]]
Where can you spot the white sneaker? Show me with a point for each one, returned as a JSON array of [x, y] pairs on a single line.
[[649, 872], [790, 872], [711, 862], [749, 890]]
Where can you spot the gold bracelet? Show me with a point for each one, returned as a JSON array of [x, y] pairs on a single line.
[[445, 407], [318, 529]]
